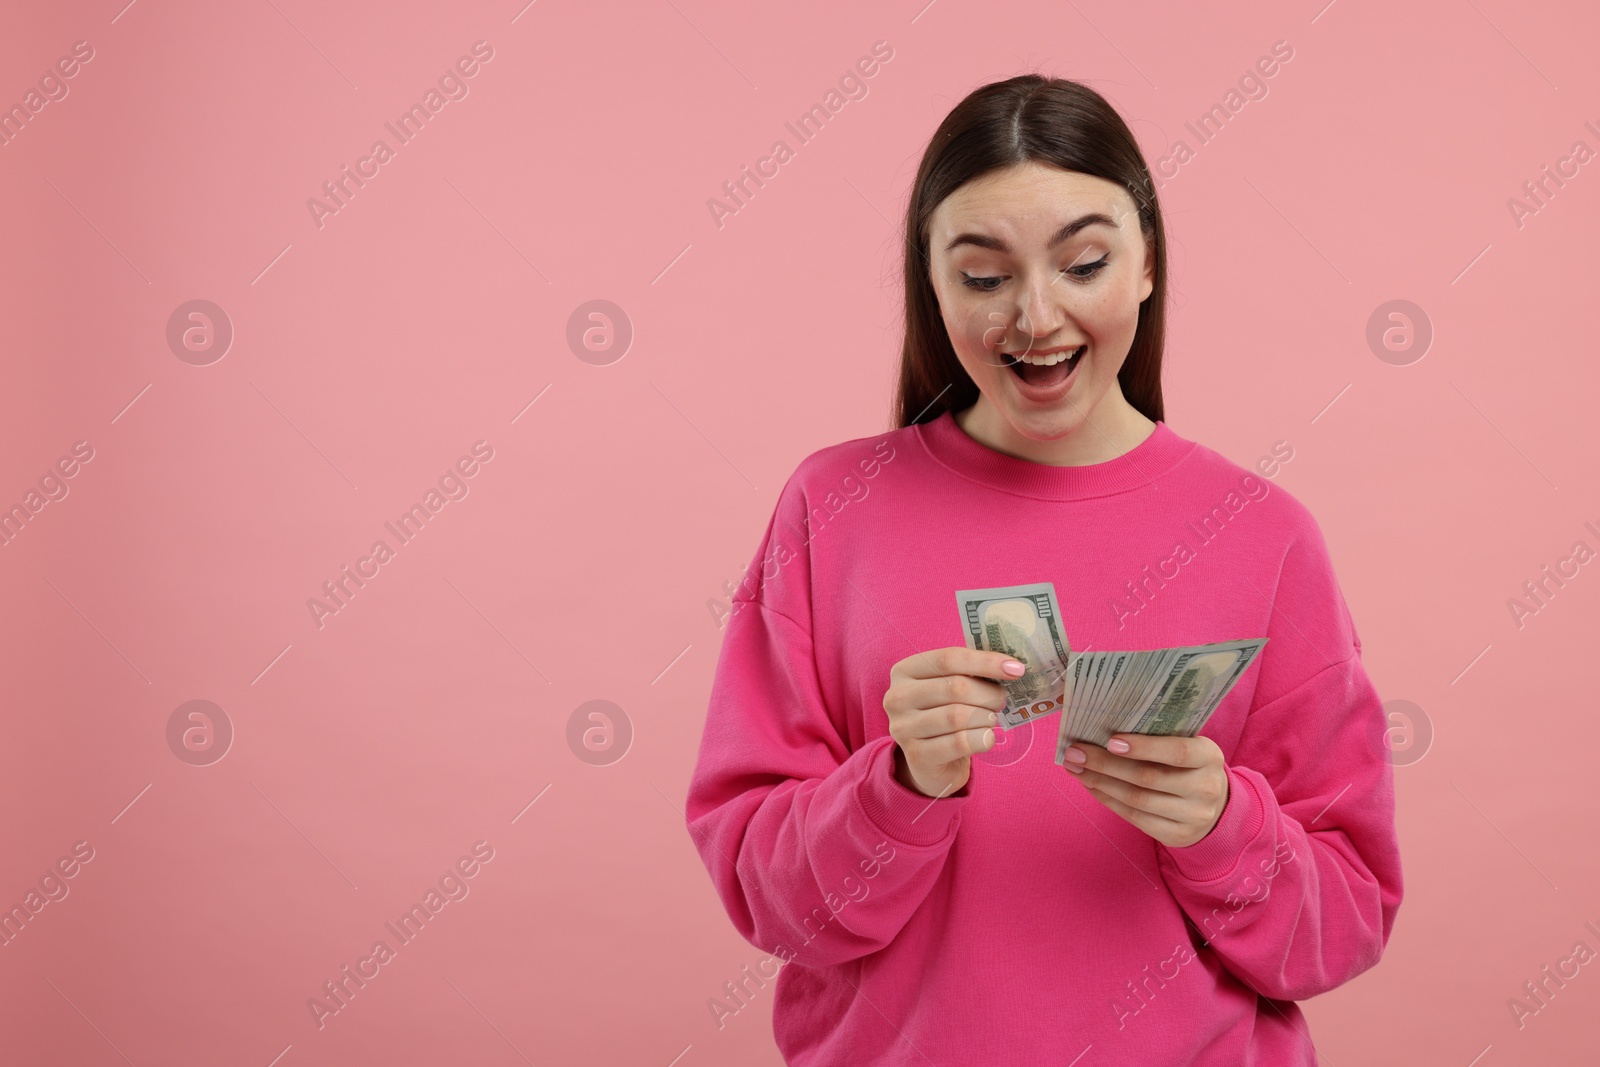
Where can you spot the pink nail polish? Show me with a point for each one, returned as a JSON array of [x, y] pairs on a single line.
[[1075, 755], [1116, 744]]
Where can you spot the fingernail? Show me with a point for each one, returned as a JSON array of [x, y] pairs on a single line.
[[1075, 755], [1074, 768], [994, 717], [1116, 744], [988, 738], [1013, 668]]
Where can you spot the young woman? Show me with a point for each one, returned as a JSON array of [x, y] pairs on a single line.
[[940, 892]]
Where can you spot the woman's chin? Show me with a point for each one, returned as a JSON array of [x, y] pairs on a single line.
[[1048, 423]]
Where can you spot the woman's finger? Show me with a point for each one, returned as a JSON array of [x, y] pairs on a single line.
[[945, 719], [958, 660], [1153, 776], [949, 747], [1172, 751], [954, 689], [1177, 807], [1167, 831]]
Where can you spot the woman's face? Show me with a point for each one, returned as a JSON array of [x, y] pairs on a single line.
[[1037, 262]]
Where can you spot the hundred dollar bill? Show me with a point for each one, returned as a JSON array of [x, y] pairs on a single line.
[[1169, 691], [1195, 685], [1024, 622]]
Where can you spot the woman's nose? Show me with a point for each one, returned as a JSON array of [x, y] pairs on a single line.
[[1039, 311]]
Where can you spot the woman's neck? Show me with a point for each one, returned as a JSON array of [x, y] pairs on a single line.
[[1110, 430]]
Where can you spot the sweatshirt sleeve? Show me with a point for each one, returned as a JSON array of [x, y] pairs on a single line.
[[818, 854], [1297, 886]]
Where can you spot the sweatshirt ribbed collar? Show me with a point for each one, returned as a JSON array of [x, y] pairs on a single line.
[[949, 445]]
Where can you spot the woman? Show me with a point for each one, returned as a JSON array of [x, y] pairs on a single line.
[[940, 894]]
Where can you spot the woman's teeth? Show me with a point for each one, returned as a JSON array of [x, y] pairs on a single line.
[[1045, 371], [1046, 361], [1042, 361]]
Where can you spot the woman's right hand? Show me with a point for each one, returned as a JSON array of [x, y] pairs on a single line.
[[942, 708]]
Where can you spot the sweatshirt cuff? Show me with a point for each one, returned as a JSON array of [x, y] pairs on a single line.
[[1219, 853], [905, 814]]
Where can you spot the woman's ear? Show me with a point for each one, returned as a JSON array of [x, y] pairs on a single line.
[[1149, 269]]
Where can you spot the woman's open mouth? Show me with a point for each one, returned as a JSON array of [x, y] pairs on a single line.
[[1044, 373]]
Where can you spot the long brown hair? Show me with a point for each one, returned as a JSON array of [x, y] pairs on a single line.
[[1029, 118]]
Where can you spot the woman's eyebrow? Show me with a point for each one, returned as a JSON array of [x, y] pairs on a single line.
[[996, 245]]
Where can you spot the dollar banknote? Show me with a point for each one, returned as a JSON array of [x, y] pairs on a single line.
[[1165, 691], [1024, 622]]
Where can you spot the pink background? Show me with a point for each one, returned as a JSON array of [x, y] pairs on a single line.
[[369, 353]]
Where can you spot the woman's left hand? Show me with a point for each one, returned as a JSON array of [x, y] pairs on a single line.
[[1172, 788]]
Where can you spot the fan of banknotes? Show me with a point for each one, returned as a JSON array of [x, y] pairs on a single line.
[[1152, 691]]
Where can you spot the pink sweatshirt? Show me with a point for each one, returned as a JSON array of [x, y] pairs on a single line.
[[1018, 921]]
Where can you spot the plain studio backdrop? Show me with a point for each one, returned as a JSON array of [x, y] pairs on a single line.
[[256, 367]]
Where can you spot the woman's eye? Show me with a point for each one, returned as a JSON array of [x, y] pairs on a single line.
[[1088, 270], [988, 285]]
